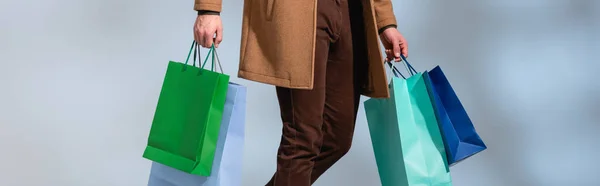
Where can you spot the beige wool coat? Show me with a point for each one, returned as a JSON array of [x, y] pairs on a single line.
[[278, 42]]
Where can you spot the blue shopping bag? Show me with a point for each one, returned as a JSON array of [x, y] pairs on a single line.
[[460, 137], [406, 139], [227, 164]]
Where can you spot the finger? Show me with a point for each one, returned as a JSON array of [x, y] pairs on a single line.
[[396, 49], [404, 47], [200, 37], [208, 39], [386, 54], [196, 36], [389, 55], [219, 37]]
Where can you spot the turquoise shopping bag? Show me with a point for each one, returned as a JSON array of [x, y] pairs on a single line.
[[460, 137], [407, 142]]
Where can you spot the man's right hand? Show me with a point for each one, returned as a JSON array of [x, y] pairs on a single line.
[[208, 29]]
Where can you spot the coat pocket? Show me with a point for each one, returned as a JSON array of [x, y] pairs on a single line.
[[269, 9]]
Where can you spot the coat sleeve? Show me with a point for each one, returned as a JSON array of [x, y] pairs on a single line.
[[384, 14], [208, 5]]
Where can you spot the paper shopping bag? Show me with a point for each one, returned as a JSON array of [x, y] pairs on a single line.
[[227, 165], [407, 142], [460, 137], [188, 117]]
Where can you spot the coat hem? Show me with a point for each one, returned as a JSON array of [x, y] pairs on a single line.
[[270, 80]]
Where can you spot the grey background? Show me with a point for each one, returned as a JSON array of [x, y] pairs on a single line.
[[79, 82]]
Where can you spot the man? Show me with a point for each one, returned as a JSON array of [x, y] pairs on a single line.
[[321, 55]]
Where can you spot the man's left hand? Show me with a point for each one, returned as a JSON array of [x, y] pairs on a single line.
[[394, 44]]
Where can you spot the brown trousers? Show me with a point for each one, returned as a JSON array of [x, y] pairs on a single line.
[[318, 124]]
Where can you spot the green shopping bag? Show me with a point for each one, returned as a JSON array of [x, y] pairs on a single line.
[[407, 142], [188, 116]]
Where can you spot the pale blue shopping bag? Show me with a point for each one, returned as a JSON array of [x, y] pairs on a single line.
[[227, 165]]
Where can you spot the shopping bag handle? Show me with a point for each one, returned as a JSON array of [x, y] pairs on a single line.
[[211, 52], [190, 53], [215, 54], [395, 70], [409, 67]]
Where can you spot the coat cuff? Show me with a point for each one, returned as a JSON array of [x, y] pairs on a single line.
[[207, 7], [386, 27], [386, 22], [208, 12]]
